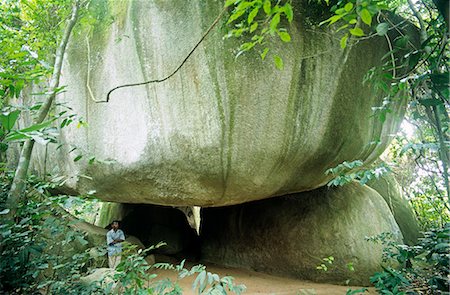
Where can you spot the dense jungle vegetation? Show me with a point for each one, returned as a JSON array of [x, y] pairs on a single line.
[[39, 248]]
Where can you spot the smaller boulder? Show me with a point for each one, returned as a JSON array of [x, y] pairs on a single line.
[[388, 187], [291, 235]]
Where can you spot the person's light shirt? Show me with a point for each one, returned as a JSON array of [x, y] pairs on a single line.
[[112, 235]]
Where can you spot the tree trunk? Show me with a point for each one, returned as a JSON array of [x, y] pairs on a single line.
[[20, 177]]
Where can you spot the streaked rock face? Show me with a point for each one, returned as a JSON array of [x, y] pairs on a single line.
[[221, 131]]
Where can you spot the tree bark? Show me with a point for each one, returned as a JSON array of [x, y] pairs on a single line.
[[20, 177]]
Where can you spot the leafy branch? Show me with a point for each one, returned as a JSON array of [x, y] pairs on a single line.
[[259, 20], [348, 172]]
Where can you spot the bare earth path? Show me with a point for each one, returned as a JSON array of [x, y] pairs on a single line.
[[259, 283]]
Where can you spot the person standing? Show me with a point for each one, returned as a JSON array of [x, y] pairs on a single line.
[[114, 239]]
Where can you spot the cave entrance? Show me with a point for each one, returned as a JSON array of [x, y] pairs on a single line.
[[153, 224]]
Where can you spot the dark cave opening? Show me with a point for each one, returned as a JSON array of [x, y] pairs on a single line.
[[153, 224]]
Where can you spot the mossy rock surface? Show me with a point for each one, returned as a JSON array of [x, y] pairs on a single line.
[[222, 130], [291, 235], [109, 212]]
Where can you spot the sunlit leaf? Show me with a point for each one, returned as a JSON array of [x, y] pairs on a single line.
[[284, 36], [4, 211], [366, 17], [357, 32], [348, 6], [288, 11], [274, 22], [264, 53], [278, 62], [344, 41], [267, 7], [252, 15]]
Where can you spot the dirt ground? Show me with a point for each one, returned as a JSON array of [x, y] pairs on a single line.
[[259, 283]]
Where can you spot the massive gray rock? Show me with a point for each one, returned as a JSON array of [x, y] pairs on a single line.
[[291, 235], [222, 130]]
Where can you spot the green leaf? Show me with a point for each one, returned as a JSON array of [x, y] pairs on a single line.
[[284, 36], [252, 15], [267, 7], [199, 282], [440, 78], [274, 22], [43, 266], [429, 102], [334, 19], [8, 120], [18, 87], [36, 127], [342, 27], [341, 11], [357, 32], [235, 16], [244, 5], [401, 41], [253, 27], [278, 62], [264, 53], [5, 211], [288, 12], [414, 58], [77, 158], [16, 136], [246, 47], [366, 16], [348, 7], [229, 2], [81, 240], [344, 41]]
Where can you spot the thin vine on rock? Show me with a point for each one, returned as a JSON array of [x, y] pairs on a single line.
[[246, 19], [108, 95]]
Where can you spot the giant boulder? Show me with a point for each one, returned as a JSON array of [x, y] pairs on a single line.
[[222, 130]]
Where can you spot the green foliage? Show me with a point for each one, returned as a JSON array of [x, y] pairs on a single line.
[[29, 34], [205, 282], [259, 21], [423, 267], [348, 172], [327, 264], [354, 17], [327, 261], [132, 272], [85, 207], [416, 72], [42, 133], [133, 276], [41, 251], [415, 163], [35, 246]]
